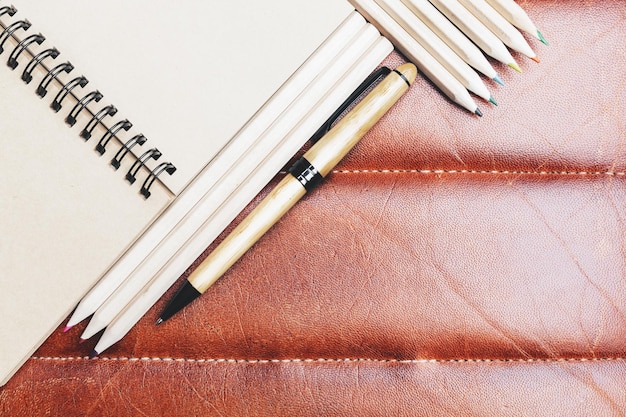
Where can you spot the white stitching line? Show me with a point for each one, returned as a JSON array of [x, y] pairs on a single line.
[[475, 171], [472, 171], [322, 360]]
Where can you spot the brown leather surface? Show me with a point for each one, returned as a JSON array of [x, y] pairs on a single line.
[[450, 266]]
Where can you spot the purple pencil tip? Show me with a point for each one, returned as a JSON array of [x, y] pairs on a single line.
[[67, 328], [93, 354]]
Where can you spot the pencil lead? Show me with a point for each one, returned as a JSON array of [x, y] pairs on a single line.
[[93, 354], [542, 39], [67, 328], [536, 59], [498, 80], [493, 101], [159, 321], [478, 112], [515, 67]]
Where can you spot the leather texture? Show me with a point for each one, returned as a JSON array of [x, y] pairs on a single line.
[[450, 266]]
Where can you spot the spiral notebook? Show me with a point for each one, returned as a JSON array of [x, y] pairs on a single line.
[[108, 111]]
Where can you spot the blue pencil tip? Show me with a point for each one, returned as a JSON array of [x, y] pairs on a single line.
[[498, 80]]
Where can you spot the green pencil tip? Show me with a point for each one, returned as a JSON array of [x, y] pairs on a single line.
[[478, 112], [542, 39], [493, 101], [515, 67]]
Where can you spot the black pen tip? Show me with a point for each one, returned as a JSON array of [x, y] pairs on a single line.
[[159, 321], [185, 295]]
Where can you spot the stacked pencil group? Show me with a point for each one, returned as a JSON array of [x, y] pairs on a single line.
[[453, 41]]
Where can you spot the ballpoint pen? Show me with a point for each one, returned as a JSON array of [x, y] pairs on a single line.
[[303, 176], [251, 183]]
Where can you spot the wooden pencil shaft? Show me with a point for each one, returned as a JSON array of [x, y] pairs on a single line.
[[514, 13], [474, 29], [435, 46], [416, 53], [498, 25], [324, 156], [450, 34]]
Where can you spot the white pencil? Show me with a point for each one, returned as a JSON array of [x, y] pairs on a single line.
[[151, 293], [246, 137], [500, 27], [476, 31], [453, 37], [296, 110], [514, 13], [416, 53], [436, 47]]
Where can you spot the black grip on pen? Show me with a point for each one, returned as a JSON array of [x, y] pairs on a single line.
[[306, 173]]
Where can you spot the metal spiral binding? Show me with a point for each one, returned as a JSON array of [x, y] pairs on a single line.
[[67, 89], [162, 167], [153, 153], [97, 118], [10, 10], [112, 131], [39, 56], [139, 139], [95, 96], [42, 89], [38, 38], [10, 30], [27, 75]]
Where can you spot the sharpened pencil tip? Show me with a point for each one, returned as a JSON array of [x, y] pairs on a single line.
[[67, 329], [542, 39], [536, 59], [493, 101], [498, 80], [93, 354], [159, 321], [478, 112], [515, 67]]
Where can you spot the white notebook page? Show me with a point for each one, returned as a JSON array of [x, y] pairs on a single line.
[[187, 74]]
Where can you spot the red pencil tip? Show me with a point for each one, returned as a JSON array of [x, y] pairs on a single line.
[[67, 328]]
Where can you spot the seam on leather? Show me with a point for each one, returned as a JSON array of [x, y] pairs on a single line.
[[323, 360], [476, 171], [472, 171]]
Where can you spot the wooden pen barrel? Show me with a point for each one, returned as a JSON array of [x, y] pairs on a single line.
[[334, 146], [323, 157]]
